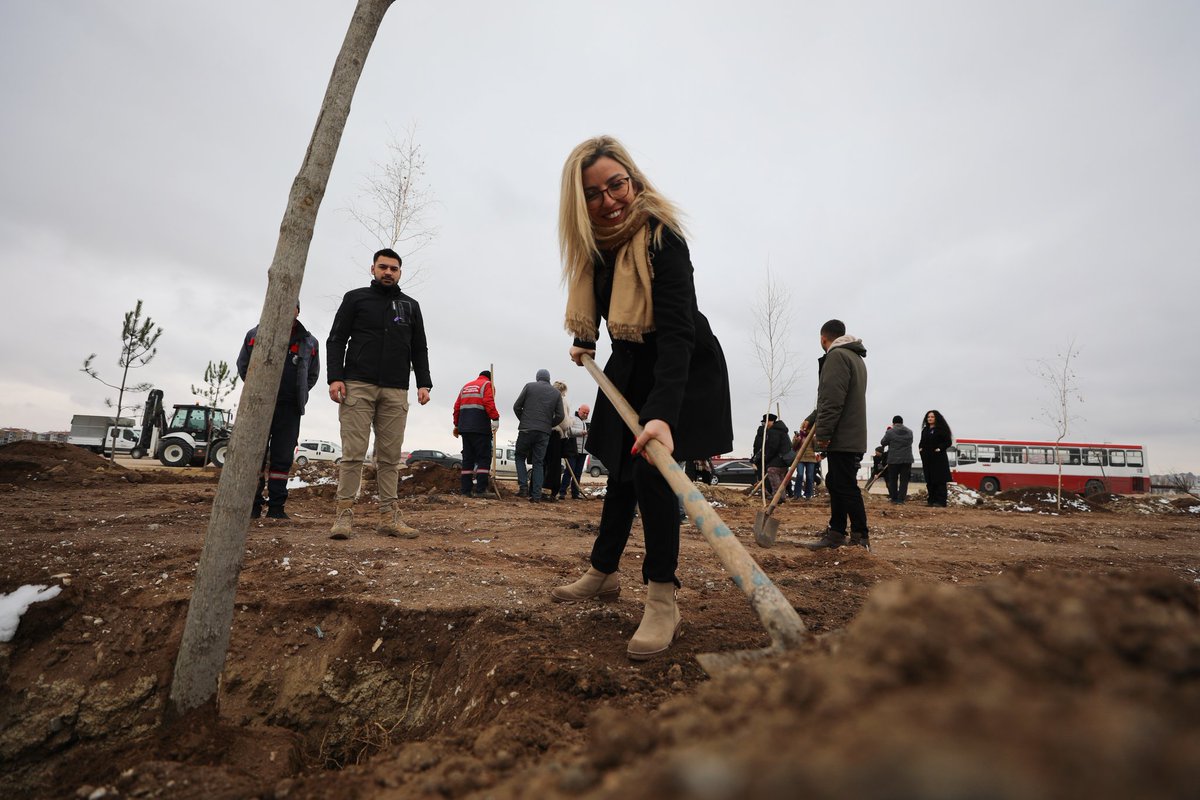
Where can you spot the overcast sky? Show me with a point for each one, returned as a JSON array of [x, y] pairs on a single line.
[[969, 186]]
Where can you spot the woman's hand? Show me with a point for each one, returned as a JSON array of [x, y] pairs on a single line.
[[577, 354], [654, 429]]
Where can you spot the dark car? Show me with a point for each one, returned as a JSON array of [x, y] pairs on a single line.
[[436, 456], [734, 472], [594, 467]]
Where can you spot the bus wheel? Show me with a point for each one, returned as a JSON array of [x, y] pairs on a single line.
[[989, 486], [1093, 487]]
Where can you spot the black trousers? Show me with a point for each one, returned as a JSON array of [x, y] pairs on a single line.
[[649, 493], [845, 499], [476, 460], [937, 492], [277, 463], [552, 468], [896, 477]]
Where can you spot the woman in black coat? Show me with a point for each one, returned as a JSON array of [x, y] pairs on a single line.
[[936, 439], [625, 260]]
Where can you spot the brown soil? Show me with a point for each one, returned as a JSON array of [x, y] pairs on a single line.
[[982, 650]]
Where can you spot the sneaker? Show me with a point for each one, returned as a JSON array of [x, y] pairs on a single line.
[[830, 539]]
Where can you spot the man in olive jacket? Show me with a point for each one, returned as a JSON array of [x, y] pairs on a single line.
[[841, 432]]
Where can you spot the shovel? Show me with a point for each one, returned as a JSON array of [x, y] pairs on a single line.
[[875, 477], [766, 526], [781, 621]]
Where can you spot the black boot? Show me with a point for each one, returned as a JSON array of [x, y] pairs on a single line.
[[277, 512], [465, 484], [256, 509], [860, 540], [829, 539]]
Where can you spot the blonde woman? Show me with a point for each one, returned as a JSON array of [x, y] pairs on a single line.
[[625, 261]]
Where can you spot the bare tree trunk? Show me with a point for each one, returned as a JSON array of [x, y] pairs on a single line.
[[206, 633]]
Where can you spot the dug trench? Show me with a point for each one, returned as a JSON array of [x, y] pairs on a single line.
[[978, 651]]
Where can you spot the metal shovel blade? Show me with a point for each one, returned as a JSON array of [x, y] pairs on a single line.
[[765, 529]]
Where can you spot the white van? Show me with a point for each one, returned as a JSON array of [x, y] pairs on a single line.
[[316, 450]]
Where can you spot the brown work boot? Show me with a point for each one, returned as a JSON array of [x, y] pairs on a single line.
[[661, 623], [390, 523], [829, 539], [594, 585], [860, 540], [344, 521]]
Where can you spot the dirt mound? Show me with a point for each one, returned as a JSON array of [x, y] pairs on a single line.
[[1043, 499], [30, 462], [1034, 685], [425, 477]]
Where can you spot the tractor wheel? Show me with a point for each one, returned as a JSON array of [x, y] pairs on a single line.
[[176, 454], [218, 452]]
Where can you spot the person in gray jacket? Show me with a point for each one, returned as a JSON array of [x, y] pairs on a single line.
[[539, 408], [899, 441], [841, 433]]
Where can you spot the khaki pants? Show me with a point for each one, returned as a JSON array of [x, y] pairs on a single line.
[[365, 405]]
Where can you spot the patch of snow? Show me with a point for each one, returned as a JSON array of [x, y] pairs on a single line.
[[13, 605]]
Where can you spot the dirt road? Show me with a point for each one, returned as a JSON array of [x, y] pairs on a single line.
[[999, 650]]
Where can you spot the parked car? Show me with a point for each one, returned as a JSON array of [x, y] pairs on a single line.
[[436, 456], [317, 450], [734, 472], [594, 467]]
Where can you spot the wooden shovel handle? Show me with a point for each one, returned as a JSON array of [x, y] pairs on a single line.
[[777, 615], [795, 463]]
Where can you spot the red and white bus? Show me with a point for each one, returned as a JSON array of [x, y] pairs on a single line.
[[993, 465]]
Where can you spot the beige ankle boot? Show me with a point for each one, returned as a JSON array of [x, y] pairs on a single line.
[[344, 521], [661, 623], [593, 585], [390, 523]]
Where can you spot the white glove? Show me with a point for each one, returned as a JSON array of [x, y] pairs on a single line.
[[495, 425]]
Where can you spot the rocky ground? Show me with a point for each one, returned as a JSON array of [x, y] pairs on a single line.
[[999, 648]]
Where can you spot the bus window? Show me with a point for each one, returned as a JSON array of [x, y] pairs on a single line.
[[989, 453], [1013, 454], [1116, 458], [1133, 458], [966, 454], [1068, 455], [1041, 455], [1094, 458]]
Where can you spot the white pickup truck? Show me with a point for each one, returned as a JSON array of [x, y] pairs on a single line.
[[95, 432]]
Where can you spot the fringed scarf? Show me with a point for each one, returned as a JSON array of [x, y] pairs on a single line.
[[631, 309]]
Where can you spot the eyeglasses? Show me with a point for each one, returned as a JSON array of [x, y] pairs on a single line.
[[617, 189]]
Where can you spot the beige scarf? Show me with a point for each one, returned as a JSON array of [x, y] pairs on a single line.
[[631, 309]]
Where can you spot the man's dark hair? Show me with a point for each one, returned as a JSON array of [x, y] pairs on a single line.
[[486, 374], [833, 329], [386, 252], [897, 420]]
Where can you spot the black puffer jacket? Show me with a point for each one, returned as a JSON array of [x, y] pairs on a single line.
[[378, 337], [301, 370], [779, 445]]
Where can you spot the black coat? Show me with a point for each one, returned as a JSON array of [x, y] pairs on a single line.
[[378, 337], [676, 374], [935, 465]]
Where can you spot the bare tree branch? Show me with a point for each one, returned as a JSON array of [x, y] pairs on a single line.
[[771, 338], [395, 202], [1062, 383]]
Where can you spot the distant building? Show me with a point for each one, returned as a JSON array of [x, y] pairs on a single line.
[[10, 435]]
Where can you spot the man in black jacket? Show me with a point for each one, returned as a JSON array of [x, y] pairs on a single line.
[[301, 369], [377, 339]]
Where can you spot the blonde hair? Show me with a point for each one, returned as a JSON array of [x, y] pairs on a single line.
[[562, 387], [576, 237]]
